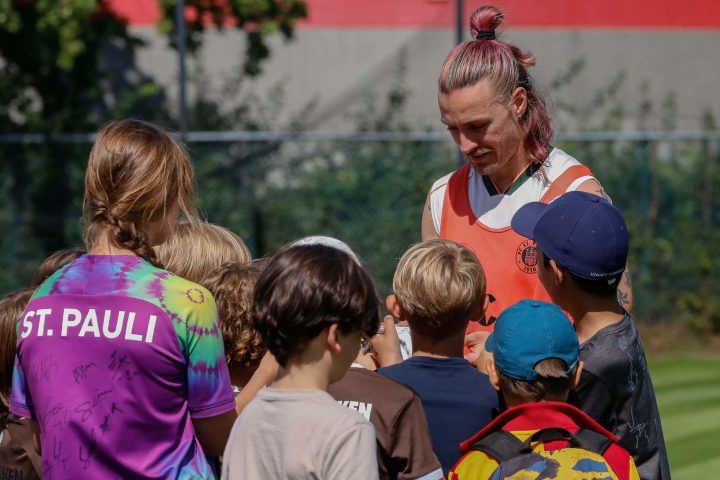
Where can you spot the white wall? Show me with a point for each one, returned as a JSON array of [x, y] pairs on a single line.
[[336, 69]]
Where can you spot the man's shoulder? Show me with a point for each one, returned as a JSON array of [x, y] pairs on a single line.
[[561, 159], [557, 163], [441, 182]]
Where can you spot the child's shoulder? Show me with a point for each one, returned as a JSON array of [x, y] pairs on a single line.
[[316, 406], [613, 350], [423, 369], [408, 369], [363, 383], [620, 336], [174, 286], [179, 296]]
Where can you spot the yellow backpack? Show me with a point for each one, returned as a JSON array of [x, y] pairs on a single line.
[[581, 458]]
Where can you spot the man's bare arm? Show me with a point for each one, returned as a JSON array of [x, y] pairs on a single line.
[[427, 228], [594, 187], [624, 291]]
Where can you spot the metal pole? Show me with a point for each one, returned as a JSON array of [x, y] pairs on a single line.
[[181, 44], [459, 22], [458, 40], [646, 189]]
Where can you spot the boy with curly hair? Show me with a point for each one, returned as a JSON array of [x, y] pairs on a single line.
[[232, 286]]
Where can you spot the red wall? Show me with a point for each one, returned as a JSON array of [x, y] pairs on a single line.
[[690, 14]]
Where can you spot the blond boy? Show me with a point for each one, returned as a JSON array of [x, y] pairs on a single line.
[[439, 286], [194, 249]]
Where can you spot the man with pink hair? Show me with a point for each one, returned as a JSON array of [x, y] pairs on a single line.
[[495, 115]]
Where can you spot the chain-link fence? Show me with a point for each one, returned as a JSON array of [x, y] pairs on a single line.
[[369, 189]]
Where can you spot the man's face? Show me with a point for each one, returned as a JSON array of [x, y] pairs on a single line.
[[485, 127]]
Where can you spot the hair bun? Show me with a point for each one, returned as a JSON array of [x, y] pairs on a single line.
[[487, 17]]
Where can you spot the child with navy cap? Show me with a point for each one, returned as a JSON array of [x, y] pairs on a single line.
[[534, 365], [582, 243]]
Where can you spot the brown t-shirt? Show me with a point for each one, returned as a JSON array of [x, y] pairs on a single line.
[[18, 459], [404, 447]]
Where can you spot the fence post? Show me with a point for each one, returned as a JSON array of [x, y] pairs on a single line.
[[459, 23], [708, 181], [18, 168], [258, 229], [645, 189], [182, 71]]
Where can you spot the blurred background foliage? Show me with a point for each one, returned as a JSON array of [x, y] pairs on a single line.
[[256, 18], [60, 73]]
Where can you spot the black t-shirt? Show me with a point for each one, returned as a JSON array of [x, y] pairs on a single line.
[[458, 400], [403, 440], [615, 389]]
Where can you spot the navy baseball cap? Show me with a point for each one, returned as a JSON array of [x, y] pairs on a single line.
[[528, 332], [580, 231]]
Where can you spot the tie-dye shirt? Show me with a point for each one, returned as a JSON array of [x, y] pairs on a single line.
[[114, 359]]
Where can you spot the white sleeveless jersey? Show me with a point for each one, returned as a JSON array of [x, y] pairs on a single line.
[[496, 211]]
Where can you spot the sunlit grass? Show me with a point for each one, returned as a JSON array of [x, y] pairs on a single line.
[[688, 394]]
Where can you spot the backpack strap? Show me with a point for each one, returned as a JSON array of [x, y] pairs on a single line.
[[501, 445], [591, 441], [584, 439], [545, 435]]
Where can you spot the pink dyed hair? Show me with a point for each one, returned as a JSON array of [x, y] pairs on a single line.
[[505, 66]]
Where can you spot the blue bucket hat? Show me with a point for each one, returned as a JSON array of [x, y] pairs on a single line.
[[580, 231], [528, 332]]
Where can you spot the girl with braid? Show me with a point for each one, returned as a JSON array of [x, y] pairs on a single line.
[[120, 364]]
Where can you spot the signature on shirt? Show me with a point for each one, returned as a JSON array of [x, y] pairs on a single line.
[[639, 429]]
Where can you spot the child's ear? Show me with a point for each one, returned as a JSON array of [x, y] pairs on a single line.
[[393, 306], [332, 339], [558, 273], [492, 374], [481, 308], [575, 378]]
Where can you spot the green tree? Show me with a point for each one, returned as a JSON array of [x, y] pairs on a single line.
[[257, 18], [51, 81], [370, 195], [63, 69]]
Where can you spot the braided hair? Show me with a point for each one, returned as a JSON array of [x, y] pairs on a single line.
[[137, 176]]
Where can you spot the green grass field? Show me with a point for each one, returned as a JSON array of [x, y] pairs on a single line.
[[688, 395]]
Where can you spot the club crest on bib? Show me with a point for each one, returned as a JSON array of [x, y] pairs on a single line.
[[526, 256]]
